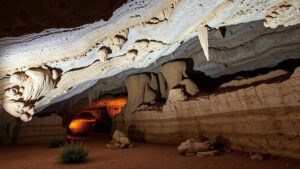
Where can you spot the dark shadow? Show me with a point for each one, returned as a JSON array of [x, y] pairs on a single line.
[[208, 84], [136, 134], [222, 143], [33, 16]]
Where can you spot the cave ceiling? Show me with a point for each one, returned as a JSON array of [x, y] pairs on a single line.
[[53, 50]]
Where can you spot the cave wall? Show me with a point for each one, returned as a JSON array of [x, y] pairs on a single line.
[[260, 118], [39, 130]]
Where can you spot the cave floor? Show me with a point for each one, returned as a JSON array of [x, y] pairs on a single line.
[[142, 156]]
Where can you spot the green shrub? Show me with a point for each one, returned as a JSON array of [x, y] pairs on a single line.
[[73, 152], [55, 143]]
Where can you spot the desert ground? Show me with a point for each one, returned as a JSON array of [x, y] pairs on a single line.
[[142, 156]]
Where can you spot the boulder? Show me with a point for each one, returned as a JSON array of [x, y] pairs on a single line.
[[120, 140], [176, 95], [192, 146]]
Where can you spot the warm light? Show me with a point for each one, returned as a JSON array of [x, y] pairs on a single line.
[[113, 105], [80, 125]]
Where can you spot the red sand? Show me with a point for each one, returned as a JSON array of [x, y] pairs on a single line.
[[143, 156]]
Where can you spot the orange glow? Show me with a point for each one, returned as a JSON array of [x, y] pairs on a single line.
[[113, 105], [80, 125]]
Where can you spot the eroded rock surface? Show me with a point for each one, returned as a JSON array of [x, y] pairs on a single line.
[[137, 35], [144, 88], [27, 88], [40, 130], [261, 117]]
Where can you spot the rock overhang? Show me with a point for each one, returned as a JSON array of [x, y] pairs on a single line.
[[142, 34]]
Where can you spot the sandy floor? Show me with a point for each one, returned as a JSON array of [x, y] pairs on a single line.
[[143, 156]]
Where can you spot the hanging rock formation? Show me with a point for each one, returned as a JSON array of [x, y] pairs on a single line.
[[144, 88], [174, 72], [27, 88], [203, 38]]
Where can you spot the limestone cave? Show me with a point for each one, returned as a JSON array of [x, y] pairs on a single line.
[[150, 84]]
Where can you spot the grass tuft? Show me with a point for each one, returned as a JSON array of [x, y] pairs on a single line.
[[73, 152]]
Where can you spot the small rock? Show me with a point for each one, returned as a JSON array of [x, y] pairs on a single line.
[[108, 146], [176, 95], [256, 156], [208, 153], [123, 146], [189, 154], [117, 144]]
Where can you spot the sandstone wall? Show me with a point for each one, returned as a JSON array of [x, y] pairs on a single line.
[[39, 130], [263, 118]]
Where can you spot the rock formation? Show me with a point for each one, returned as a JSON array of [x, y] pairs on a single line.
[[176, 95], [120, 140], [173, 72], [203, 38], [27, 88], [135, 36], [258, 117], [37, 131], [139, 91], [238, 86], [280, 14], [191, 146], [144, 88]]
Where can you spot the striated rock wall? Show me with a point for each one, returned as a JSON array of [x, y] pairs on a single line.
[[263, 118], [137, 35], [38, 130]]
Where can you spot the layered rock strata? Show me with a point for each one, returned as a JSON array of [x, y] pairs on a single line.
[[231, 54], [135, 36], [258, 118], [37, 131]]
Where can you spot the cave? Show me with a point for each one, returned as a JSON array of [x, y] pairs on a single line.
[[150, 84], [95, 119], [90, 122]]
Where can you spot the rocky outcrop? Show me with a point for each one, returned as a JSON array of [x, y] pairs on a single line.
[[261, 117]]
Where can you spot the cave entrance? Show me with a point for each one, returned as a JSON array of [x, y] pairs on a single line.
[[96, 119]]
